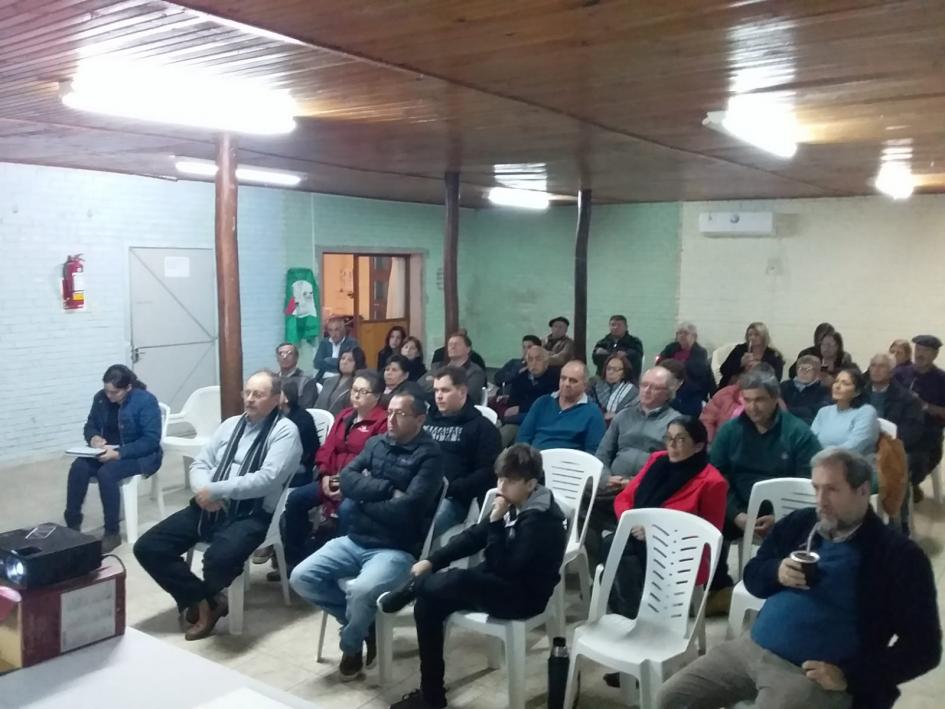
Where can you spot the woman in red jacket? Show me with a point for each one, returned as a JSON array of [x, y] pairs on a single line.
[[352, 428]]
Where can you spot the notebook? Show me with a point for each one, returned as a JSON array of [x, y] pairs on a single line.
[[84, 452]]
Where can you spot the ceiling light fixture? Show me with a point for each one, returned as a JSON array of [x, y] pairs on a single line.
[[162, 94], [895, 179], [759, 120], [205, 168], [527, 199]]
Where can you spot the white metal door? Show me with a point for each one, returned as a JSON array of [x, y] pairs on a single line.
[[173, 321]]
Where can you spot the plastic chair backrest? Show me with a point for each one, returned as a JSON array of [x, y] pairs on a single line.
[[719, 355], [785, 495], [675, 546], [566, 474], [324, 420], [488, 413], [165, 412], [202, 410], [428, 540], [888, 427]]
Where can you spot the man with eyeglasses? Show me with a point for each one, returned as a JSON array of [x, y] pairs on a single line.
[[287, 357], [237, 480], [392, 489]]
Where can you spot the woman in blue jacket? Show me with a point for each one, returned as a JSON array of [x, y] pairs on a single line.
[[125, 422]]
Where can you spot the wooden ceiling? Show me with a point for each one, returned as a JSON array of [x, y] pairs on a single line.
[[607, 94]]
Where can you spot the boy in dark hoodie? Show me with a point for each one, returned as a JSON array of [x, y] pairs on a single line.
[[524, 538], [470, 444]]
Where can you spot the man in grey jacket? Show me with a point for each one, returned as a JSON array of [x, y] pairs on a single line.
[[237, 480]]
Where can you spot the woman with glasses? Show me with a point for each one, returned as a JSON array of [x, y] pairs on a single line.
[[615, 391], [334, 396]]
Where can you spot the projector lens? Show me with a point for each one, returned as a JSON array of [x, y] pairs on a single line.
[[14, 570]]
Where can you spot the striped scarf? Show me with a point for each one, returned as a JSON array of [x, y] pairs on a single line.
[[617, 393]]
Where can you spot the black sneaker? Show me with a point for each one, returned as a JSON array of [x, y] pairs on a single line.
[[350, 667], [371, 642], [110, 542], [396, 600], [416, 700]]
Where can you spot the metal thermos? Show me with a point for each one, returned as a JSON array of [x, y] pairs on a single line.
[[558, 663]]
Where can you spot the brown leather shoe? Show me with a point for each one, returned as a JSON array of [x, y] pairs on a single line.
[[207, 618], [189, 616]]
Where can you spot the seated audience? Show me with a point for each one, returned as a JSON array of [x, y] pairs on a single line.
[[335, 394], [353, 428], [565, 418], [394, 484], [823, 329], [515, 366], [395, 339], [901, 350], [638, 430], [687, 350], [727, 402], [331, 348], [469, 442], [763, 442], [395, 377], [412, 349], [866, 623], [805, 394], [441, 355], [928, 383], [614, 391], [893, 401], [558, 343], [287, 356], [832, 357], [125, 423], [849, 422], [686, 398], [523, 540], [758, 345], [619, 339], [237, 481], [536, 381], [459, 354]]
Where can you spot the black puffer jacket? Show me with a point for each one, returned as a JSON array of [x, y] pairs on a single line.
[[382, 520], [524, 548], [470, 444]]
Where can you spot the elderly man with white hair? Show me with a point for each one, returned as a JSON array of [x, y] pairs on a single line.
[[694, 357]]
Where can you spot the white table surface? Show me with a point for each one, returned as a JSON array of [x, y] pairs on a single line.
[[134, 670]]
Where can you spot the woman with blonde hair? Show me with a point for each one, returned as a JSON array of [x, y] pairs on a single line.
[[758, 345], [901, 350]]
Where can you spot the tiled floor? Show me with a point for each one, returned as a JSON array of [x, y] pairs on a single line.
[[278, 644]]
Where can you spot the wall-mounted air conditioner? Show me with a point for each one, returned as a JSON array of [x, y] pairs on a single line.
[[736, 223]]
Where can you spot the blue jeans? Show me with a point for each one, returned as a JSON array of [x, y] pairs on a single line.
[[109, 476], [372, 572], [451, 513]]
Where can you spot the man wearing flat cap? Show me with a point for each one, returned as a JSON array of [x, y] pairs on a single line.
[[928, 383], [558, 343]]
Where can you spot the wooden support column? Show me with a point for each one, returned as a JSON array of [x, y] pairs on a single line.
[[580, 274], [450, 247], [230, 346]]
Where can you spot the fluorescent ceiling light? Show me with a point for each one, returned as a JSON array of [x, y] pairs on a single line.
[[205, 168], [528, 199], [896, 180], [162, 94], [766, 123]]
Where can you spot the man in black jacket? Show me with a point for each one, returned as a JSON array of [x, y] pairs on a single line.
[[538, 379], [393, 485], [893, 401], [523, 537], [470, 444], [619, 340], [865, 622]]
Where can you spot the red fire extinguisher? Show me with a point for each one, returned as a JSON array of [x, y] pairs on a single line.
[[73, 283]]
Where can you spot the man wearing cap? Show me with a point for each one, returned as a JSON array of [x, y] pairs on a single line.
[[928, 383], [558, 343]]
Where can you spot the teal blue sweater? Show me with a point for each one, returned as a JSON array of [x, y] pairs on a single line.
[[580, 428]]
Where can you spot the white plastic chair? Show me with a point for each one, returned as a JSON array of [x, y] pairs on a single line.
[[488, 413], [785, 495], [324, 420], [129, 489], [201, 412], [566, 474], [384, 626], [240, 585], [512, 633], [719, 355], [660, 639]]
